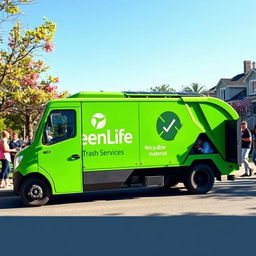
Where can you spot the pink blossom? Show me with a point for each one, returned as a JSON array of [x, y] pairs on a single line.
[[8, 104], [12, 42], [48, 47], [34, 98], [48, 88], [24, 82], [34, 76]]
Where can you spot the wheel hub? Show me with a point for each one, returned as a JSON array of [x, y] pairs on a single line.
[[201, 179], [35, 192]]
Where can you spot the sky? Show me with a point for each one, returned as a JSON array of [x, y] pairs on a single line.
[[120, 45]]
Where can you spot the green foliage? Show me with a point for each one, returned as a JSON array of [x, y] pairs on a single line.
[[162, 88], [14, 122], [2, 125], [194, 87], [9, 8]]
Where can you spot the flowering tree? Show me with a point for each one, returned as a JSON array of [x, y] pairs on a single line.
[[23, 90], [33, 93], [243, 107], [13, 60]]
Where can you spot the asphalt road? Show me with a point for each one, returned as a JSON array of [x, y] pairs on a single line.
[[230, 198]]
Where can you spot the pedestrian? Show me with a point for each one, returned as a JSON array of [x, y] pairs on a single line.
[[15, 143], [254, 145], [246, 147], [5, 158], [26, 142]]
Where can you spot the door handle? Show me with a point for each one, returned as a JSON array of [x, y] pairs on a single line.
[[75, 157], [47, 152]]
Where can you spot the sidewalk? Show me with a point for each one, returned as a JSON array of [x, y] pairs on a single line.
[[8, 191], [241, 172]]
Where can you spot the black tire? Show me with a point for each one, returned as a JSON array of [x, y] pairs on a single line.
[[34, 192], [199, 179]]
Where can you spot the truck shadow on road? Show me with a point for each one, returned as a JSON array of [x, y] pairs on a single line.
[[225, 190], [121, 194], [9, 200]]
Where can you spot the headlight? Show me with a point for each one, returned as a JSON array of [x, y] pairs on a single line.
[[17, 161]]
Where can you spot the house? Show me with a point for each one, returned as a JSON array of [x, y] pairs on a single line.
[[240, 92], [211, 92], [250, 82], [228, 88]]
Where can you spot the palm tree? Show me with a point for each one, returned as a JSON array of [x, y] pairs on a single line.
[[194, 87]]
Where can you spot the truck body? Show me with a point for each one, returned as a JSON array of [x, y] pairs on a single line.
[[98, 141]]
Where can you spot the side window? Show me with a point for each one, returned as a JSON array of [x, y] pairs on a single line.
[[61, 125]]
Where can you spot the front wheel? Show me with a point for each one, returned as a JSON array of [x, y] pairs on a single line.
[[199, 179], [34, 192]]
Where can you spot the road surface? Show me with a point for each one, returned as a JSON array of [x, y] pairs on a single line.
[[228, 198]]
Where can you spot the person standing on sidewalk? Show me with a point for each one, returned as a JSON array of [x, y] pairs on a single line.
[[15, 143], [246, 147], [5, 158]]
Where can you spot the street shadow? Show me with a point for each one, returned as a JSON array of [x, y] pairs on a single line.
[[231, 190], [225, 190], [110, 195], [121, 194]]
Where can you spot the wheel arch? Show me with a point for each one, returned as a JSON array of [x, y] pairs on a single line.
[[37, 176], [209, 162]]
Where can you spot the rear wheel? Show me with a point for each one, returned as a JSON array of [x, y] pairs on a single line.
[[34, 192], [199, 179]]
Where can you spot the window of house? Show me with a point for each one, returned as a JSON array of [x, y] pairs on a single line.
[[254, 107], [252, 87], [223, 94]]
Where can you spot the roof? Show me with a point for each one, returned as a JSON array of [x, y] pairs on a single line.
[[240, 96], [234, 81], [213, 88], [130, 94], [248, 74], [119, 98]]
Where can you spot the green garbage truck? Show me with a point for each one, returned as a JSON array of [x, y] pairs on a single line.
[[98, 141]]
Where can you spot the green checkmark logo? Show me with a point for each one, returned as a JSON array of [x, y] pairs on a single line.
[[168, 125]]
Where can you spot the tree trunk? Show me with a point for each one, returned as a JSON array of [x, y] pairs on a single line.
[[29, 127]]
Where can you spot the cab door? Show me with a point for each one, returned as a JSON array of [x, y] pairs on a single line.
[[60, 151]]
